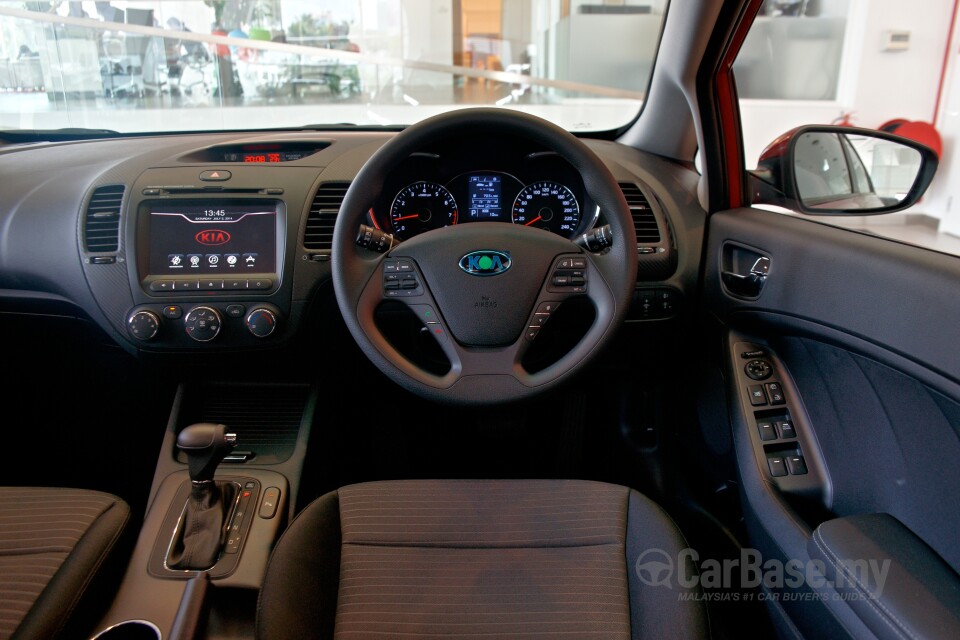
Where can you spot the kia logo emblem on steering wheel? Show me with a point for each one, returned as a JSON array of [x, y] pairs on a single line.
[[485, 263]]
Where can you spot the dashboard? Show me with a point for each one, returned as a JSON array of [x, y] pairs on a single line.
[[204, 243]]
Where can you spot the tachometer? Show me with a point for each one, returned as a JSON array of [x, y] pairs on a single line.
[[547, 205], [420, 207]]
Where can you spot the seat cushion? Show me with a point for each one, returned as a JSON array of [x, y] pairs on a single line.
[[53, 545], [472, 559]]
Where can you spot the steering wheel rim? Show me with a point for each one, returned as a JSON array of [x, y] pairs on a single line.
[[485, 368]]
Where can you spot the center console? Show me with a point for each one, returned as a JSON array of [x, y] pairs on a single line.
[[216, 250], [207, 259], [158, 598]]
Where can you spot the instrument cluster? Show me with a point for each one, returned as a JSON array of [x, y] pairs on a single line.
[[536, 189]]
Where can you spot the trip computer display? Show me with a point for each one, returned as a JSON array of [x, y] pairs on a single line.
[[483, 195], [194, 239]]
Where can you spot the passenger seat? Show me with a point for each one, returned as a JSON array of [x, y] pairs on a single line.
[[56, 548]]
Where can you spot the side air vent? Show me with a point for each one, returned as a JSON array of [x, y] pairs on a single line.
[[101, 223], [643, 218], [318, 235]]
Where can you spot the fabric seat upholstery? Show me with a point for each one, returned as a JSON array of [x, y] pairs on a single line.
[[475, 559], [54, 548]]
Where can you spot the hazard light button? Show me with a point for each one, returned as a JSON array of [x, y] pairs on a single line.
[[215, 175]]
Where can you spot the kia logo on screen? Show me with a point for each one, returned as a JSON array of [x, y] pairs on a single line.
[[212, 237]]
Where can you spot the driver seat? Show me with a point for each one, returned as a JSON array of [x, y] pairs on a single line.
[[535, 559]]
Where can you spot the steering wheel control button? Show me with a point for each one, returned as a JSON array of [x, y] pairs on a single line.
[[757, 397], [215, 175], [261, 322], [161, 285], [796, 465], [437, 331], [143, 325], [269, 502], [430, 320], [777, 467], [548, 307], [569, 275], [425, 312], [400, 279], [758, 369], [172, 311], [786, 430], [767, 431], [202, 323], [775, 393], [532, 333], [236, 310]]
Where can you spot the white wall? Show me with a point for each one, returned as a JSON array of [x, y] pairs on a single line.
[[898, 84]]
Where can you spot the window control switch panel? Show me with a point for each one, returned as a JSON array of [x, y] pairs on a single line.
[[776, 428]]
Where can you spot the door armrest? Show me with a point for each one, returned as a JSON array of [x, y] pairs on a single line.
[[899, 587]]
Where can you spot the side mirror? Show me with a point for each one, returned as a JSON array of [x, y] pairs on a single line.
[[830, 170]]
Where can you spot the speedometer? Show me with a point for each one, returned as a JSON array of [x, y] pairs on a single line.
[[420, 207], [547, 205]]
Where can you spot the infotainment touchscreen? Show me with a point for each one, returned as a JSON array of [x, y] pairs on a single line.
[[208, 238]]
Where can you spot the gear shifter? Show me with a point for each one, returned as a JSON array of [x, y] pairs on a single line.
[[206, 445], [205, 517]]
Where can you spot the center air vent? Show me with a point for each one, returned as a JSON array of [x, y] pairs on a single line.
[[643, 218], [318, 235], [101, 223]]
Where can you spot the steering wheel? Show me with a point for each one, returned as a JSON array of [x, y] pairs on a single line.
[[481, 288]]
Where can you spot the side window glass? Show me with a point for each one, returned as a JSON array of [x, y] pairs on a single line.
[[835, 62]]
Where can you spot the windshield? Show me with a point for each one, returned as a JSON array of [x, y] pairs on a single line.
[[246, 64]]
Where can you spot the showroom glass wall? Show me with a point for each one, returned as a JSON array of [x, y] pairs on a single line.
[[364, 61]]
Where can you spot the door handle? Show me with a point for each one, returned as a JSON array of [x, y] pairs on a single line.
[[749, 284]]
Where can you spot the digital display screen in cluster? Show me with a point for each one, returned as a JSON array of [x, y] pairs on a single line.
[[204, 239], [483, 194]]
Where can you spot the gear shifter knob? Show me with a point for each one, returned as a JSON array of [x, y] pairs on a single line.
[[206, 444]]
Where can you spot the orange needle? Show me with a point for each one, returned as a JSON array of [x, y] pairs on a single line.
[[532, 221], [415, 215]]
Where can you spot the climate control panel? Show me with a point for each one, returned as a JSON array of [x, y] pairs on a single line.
[[197, 324]]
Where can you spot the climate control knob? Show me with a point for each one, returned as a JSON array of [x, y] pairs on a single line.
[[143, 325], [261, 322], [202, 323]]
